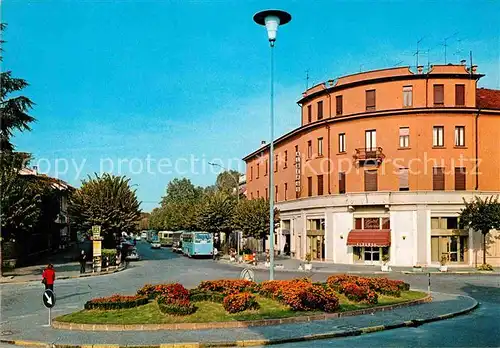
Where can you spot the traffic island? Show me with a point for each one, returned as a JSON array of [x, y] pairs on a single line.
[[241, 303]]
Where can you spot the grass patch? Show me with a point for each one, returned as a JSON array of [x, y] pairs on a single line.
[[214, 312]]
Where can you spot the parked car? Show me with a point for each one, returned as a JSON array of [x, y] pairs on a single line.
[[138, 237], [155, 244], [144, 235]]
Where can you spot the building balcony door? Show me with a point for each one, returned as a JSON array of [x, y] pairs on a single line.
[[316, 247], [372, 255]]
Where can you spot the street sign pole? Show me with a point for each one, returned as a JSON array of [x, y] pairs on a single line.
[[50, 317]]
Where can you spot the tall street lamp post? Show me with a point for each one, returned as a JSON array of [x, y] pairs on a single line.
[[237, 196], [271, 19]]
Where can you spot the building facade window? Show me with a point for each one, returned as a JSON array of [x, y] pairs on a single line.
[[276, 161], [320, 185], [439, 95], [267, 168], [258, 170], [276, 193], [309, 149], [449, 239], [438, 182], [403, 180], [342, 147], [370, 100], [309, 113], [251, 173], [258, 194], [371, 180], [404, 137], [286, 191], [438, 136], [309, 186], [460, 179], [459, 95], [320, 110], [407, 96], [320, 146], [460, 136], [338, 105], [267, 194], [370, 140], [341, 182], [286, 159]]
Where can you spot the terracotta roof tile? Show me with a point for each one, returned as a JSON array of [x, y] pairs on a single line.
[[488, 98]]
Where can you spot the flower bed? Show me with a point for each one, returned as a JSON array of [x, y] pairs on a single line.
[[173, 291], [228, 286], [175, 307], [344, 284], [239, 302], [301, 295], [116, 302]]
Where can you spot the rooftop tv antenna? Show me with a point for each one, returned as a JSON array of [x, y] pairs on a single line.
[[446, 45], [418, 50], [307, 79], [399, 63]]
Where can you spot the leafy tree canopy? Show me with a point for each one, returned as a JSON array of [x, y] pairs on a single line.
[[252, 217], [108, 201]]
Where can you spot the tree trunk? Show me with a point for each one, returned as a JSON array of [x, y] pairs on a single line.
[[484, 248], [1, 257]]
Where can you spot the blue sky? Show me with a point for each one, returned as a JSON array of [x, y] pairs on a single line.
[[187, 82]]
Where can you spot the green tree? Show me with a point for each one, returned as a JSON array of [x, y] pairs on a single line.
[[216, 214], [20, 200], [14, 109], [143, 223], [481, 216], [252, 217], [228, 181], [108, 201], [182, 190]]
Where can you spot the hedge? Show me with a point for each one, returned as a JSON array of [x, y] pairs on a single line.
[[175, 307], [196, 295], [116, 302], [239, 302]]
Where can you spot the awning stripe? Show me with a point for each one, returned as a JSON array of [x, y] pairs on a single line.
[[369, 238]]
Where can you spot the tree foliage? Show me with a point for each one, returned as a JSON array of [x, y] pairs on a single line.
[[228, 181], [108, 201], [13, 109], [252, 217], [216, 214], [482, 215]]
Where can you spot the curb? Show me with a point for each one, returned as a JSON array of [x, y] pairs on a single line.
[[263, 342], [487, 273], [85, 275], [232, 324]]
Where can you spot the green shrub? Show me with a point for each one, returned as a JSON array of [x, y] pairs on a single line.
[[196, 295], [111, 254]]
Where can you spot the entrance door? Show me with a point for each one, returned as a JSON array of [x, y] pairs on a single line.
[[453, 249], [372, 255]]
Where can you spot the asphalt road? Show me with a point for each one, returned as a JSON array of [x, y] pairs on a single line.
[[22, 309]]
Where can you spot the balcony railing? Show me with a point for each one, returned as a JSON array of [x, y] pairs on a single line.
[[369, 156]]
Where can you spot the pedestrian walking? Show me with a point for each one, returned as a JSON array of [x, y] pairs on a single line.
[[216, 253], [48, 277], [83, 261]]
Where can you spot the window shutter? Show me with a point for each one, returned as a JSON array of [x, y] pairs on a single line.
[[370, 100], [320, 110], [403, 179], [438, 94], [460, 178], [320, 185], [309, 113], [370, 180], [309, 186], [438, 179], [338, 100], [342, 182], [459, 95]]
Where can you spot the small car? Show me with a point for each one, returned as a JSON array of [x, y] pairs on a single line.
[[138, 238], [133, 256], [155, 245]]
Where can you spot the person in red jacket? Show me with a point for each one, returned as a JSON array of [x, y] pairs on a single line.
[[48, 277]]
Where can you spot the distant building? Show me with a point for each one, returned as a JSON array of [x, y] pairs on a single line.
[[380, 166]]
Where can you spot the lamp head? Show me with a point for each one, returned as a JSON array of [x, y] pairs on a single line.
[[272, 19]]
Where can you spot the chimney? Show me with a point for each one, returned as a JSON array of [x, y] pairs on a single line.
[[420, 69], [35, 170], [262, 143], [474, 69], [330, 83], [463, 61]]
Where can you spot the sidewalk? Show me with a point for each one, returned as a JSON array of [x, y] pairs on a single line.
[[292, 265], [442, 307], [64, 265]]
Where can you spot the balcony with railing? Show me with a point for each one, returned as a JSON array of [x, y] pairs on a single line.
[[369, 156]]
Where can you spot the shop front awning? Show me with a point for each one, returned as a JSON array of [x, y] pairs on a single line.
[[369, 238]]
